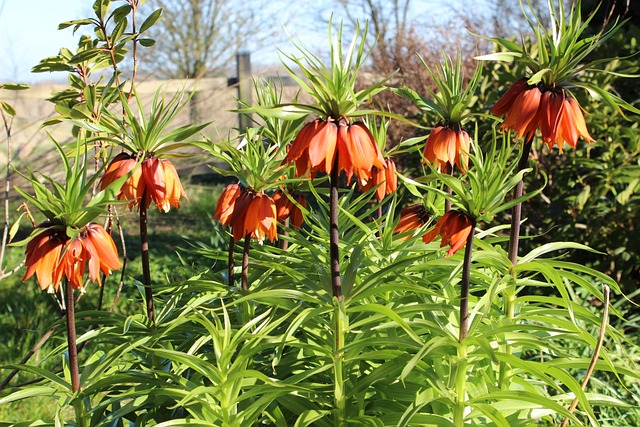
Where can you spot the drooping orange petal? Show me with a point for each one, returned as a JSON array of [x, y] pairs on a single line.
[[391, 179], [174, 190], [429, 153], [119, 167], [568, 130], [283, 205], [238, 217], [44, 255], [226, 203], [521, 118], [412, 217], [505, 102], [344, 143], [580, 123], [75, 262], [377, 178], [433, 233], [133, 188], [105, 248], [463, 145], [300, 145], [297, 218], [323, 145], [364, 151], [154, 179]]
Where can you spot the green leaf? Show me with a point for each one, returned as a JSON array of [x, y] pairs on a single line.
[[148, 23], [7, 108], [146, 42]]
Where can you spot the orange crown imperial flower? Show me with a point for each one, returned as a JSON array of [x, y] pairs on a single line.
[[554, 111], [447, 146], [44, 253], [386, 179], [454, 227], [319, 142], [412, 218], [285, 208], [247, 213], [51, 255], [158, 177]]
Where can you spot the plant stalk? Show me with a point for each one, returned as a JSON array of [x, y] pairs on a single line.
[[516, 213], [144, 254], [461, 386], [509, 313], [336, 286], [340, 321], [245, 262], [71, 336], [5, 233], [231, 262], [464, 285]]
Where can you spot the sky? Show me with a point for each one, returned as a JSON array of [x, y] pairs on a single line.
[[29, 32]]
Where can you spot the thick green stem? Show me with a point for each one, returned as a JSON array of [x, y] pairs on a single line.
[[461, 387], [340, 322], [504, 374], [232, 266], [516, 213], [464, 285], [245, 262], [336, 286], [144, 255], [71, 336]]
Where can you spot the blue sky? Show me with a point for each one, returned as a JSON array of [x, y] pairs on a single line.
[[29, 32]]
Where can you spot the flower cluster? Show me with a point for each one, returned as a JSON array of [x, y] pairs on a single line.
[[157, 177], [448, 146], [285, 208], [386, 180], [454, 227], [51, 255], [553, 110], [321, 142], [247, 212]]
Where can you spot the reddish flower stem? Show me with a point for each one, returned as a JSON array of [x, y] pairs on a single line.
[[285, 234], [144, 255], [516, 213], [447, 202], [245, 262], [71, 336], [336, 286], [232, 245], [464, 285]]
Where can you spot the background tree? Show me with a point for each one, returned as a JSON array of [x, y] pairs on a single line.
[[200, 38]]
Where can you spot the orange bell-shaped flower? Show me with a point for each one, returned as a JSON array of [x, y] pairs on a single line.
[[260, 220], [226, 204], [43, 257], [412, 218], [385, 178], [319, 142], [454, 227], [162, 183], [446, 146], [285, 208]]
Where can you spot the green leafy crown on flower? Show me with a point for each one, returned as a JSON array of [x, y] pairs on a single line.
[[453, 98], [559, 54], [333, 88]]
